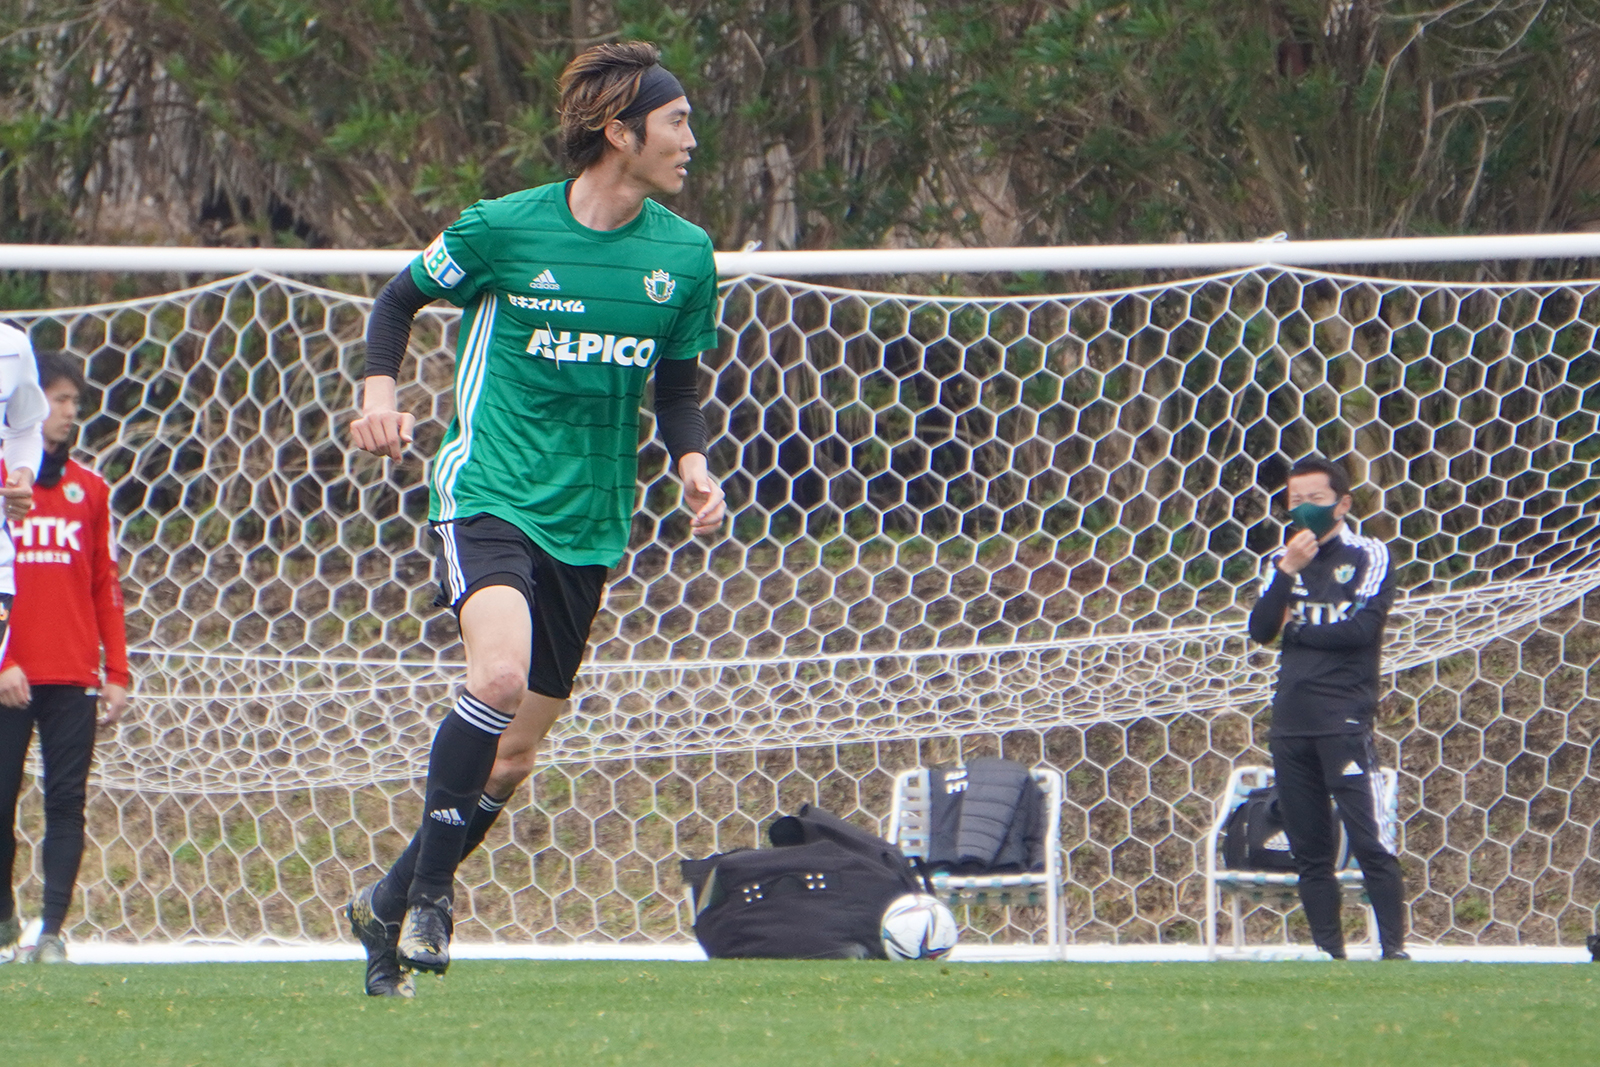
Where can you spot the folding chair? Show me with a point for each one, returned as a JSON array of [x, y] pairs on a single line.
[[1279, 889], [910, 824]]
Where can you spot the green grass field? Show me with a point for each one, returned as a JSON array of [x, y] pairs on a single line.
[[516, 1012]]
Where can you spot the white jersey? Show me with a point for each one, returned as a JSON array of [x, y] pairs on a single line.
[[22, 411]]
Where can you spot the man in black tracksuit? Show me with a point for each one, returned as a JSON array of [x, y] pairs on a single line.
[[1327, 592]]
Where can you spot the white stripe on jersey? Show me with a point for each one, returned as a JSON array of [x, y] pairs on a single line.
[[451, 459], [1377, 569], [454, 455]]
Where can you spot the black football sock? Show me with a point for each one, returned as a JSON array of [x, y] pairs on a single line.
[[63, 852], [458, 767], [483, 817], [388, 902]]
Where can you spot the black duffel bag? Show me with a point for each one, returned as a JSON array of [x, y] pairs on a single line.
[[818, 894], [1254, 838]]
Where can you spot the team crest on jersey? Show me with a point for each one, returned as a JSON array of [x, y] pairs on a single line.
[[73, 492], [1344, 572], [658, 286]]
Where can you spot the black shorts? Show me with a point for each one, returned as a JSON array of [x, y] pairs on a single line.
[[562, 599]]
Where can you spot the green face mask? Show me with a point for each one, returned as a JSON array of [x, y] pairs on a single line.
[[1318, 518]]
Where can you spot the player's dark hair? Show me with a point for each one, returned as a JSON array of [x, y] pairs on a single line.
[[54, 366], [1338, 477], [596, 86]]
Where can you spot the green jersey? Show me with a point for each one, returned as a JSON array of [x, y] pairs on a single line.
[[562, 326]]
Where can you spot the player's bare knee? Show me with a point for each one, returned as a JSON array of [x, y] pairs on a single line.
[[501, 683]]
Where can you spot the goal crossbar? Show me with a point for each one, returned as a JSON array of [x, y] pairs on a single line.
[[882, 261]]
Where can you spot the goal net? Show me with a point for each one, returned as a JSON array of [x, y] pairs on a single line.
[[1029, 526]]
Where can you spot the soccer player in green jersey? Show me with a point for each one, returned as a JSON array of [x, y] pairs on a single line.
[[574, 294]]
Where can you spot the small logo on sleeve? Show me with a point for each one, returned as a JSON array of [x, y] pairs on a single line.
[[658, 286], [440, 267], [1344, 572]]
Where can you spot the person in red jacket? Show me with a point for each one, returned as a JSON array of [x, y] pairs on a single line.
[[67, 612]]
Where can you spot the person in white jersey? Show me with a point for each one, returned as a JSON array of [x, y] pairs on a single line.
[[22, 411]]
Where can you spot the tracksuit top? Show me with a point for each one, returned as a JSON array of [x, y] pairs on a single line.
[[22, 411], [69, 593], [1328, 662]]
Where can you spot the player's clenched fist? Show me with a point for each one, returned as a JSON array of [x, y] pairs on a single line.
[[383, 433], [18, 494], [1300, 550], [381, 429], [701, 494]]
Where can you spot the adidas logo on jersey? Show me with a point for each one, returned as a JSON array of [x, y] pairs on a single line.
[[545, 280], [1352, 768], [448, 816], [564, 346]]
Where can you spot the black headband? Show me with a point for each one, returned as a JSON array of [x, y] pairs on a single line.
[[656, 87]]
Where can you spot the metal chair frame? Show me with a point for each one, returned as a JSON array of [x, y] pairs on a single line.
[[1276, 888], [910, 824]]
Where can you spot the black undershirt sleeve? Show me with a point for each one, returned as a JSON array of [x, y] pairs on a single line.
[[389, 326], [678, 415], [1266, 618]]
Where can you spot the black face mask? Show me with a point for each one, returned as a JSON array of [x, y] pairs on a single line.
[[1318, 518], [53, 466]]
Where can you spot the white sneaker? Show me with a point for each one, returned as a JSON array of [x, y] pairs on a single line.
[[10, 935], [52, 948]]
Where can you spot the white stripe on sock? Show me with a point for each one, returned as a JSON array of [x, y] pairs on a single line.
[[481, 715]]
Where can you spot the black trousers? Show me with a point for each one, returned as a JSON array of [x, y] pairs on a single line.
[[1342, 768], [65, 715]]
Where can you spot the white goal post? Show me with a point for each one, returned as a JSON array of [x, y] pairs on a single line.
[[1027, 524], [1268, 252]]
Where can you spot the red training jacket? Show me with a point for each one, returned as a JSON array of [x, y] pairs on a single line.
[[69, 593]]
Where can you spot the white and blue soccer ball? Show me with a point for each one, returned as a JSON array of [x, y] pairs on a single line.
[[918, 927]]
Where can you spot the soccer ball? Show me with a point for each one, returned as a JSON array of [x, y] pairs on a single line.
[[918, 927]]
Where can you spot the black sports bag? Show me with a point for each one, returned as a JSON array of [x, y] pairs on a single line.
[[1254, 839], [818, 894]]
